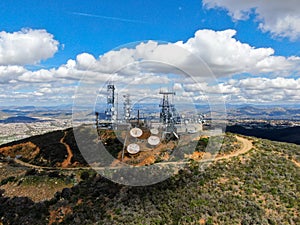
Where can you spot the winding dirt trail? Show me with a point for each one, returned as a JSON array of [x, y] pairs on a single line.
[[295, 162], [22, 163], [246, 146], [67, 161]]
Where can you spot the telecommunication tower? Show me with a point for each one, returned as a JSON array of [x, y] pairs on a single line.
[[167, 116], [110, 106], [97, 118], [127, 107]]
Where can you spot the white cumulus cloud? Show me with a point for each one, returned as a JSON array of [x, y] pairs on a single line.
[[220, 50], [26, 47], [225, 55], [262, 89], [37, 76], [144, 66], [281, 18], [10, 73]]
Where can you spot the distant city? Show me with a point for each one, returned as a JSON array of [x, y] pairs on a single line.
[[21, 122]]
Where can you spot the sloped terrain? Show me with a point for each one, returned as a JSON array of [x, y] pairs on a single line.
[[45, 150], [260, 186]]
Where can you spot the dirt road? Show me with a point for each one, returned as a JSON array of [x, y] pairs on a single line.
[[67, 161], [246, 146]]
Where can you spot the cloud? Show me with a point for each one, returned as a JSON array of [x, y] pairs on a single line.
[[216, 89], [10, 73], [227, 56], [26, 47], [281, 18], [39, 76], [262, 90], [37, 93], [261, 83], [85, 61], [252, 90], [222, 53], [143, 68]]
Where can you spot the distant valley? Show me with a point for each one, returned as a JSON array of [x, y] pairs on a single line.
[[268, 112], [271, 122]]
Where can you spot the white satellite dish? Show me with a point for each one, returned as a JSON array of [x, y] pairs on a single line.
[[153, 140], [114, 117], [133, 148], [154, 131], [112, 108], [136, 132]]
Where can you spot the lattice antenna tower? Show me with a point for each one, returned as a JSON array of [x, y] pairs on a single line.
[[127, 107], [167, 108], [110, 104]]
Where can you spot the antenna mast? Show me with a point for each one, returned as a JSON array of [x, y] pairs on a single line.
[[127, 107], [110, 106]]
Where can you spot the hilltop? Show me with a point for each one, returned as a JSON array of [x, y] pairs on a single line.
[[49, 150], [257, 186]]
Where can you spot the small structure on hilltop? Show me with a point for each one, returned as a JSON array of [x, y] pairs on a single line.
[[168, 115], [110, 113], [127, 108], [152, 132]]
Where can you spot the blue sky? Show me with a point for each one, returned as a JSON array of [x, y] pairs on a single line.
[[93, 28], [97, 34]]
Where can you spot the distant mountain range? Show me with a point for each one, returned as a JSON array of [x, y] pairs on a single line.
[[233, 111], [19, 119], [63, 111], [256, 112]]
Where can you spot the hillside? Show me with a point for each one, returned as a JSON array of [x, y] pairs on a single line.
[[50, 149], [260, 186], [290, 134]]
